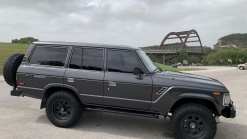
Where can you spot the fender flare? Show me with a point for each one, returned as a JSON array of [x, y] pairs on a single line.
[[197, 96], [56, 85]]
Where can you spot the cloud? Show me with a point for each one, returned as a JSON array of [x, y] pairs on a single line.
[[129, 22]]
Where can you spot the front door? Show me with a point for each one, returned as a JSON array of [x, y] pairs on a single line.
[[121, 87]]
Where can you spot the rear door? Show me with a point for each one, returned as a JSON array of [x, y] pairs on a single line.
[[85, 73], [46, 66], [121, 87]]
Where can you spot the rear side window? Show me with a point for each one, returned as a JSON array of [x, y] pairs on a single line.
[[92, 59], [49, 56], [87, 59], [76, 59]]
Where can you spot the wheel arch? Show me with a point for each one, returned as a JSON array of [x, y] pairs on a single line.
[[53, 88], [241, 67], [202, 101]]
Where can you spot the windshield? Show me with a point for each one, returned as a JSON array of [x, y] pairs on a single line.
[[146, 60]]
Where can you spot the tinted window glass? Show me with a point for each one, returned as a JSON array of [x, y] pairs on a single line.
[[92, 59], [49, 56], [121, 61], [76, 59], [146, 60]]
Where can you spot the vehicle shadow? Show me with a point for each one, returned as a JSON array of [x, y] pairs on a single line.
[[122, 125], [141, 127]]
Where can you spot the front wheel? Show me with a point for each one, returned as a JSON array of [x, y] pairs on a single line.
[[193, 121], [63, 109], [241, 68]]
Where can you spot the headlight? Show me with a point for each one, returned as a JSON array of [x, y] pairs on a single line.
[[226, 99]]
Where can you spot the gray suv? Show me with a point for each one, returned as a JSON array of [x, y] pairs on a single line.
[[71, 78]]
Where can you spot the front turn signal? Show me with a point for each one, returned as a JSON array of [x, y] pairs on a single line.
[[216, 93]]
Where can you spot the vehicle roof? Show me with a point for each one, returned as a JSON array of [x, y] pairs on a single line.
[[86, 44]]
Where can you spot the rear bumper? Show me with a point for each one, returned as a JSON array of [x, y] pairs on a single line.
[[15, 93], [229, 111]]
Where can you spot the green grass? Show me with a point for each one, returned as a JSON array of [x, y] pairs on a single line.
[[165, 67], [169, 68], [7, 49]]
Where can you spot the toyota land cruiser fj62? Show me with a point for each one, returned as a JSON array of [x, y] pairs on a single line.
[[70, 78]]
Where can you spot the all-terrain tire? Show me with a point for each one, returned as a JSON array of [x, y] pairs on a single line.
[[71, 106], [182, 130], [10, 67]]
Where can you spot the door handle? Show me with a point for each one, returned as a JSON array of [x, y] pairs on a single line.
[[111, 83], [70, 80]]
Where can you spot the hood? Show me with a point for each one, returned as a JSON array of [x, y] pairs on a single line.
[[170, 78], [188, 75]]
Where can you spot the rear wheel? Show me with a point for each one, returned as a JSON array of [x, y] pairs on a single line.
[[193, 121], [63, 109]]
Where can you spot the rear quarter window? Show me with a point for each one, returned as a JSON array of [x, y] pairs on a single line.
[[49, 56]]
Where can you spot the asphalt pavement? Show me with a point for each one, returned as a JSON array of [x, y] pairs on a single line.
[[21, 118]]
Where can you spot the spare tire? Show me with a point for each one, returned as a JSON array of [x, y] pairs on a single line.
[[10, 68]]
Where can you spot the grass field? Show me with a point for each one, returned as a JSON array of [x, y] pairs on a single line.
[[165, 67], [7, 49]]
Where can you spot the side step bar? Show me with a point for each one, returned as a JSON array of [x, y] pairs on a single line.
[[127, 112]]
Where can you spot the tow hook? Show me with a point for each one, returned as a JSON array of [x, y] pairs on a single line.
[[217, 119]]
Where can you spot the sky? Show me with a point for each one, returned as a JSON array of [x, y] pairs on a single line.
[[125, 22]]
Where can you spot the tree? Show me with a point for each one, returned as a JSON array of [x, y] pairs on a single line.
[[183, 56], [193, 59], [208, 50], [15, 41], [222, 56], [25, 40]]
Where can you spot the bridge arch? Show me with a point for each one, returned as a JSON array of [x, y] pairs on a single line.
[[185, 40]]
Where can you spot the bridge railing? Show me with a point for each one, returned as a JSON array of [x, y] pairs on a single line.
[[195, 49]]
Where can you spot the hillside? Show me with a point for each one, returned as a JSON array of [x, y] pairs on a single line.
[[7, 49], [233, 40]]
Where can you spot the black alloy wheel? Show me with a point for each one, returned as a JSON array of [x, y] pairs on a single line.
[[61, 108], [193, 125]]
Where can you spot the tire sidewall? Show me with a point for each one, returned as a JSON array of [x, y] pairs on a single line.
[[50, 113], [10, 68]]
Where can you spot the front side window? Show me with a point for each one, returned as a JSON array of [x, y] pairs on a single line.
[[92, 59], [121, 61], [49, 56]]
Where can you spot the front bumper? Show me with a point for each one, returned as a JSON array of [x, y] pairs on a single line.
[[229, 111]]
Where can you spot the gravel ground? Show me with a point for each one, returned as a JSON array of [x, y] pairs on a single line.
[[20, 117]]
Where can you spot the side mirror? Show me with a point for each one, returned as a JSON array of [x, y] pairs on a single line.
[[137, 71]]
